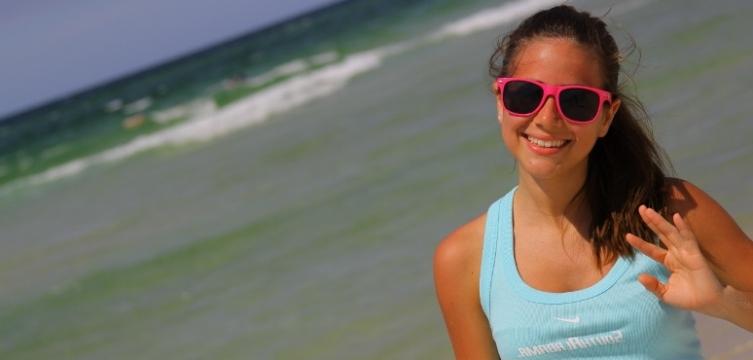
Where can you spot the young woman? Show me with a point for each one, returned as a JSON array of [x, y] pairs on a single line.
[[550, 270]]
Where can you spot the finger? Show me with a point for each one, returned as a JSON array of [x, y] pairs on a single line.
[[649, 221], [661, 227], [647, 248], [653, 285], [665, 227], [683, 228]]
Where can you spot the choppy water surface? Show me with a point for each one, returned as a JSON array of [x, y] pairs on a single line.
[[298, 219]]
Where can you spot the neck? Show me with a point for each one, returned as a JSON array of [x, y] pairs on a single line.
[[553, 197], [556, 201]]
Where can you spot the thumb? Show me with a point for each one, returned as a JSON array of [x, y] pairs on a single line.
[[653, 285]]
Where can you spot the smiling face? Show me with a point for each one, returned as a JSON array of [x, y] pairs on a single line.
[[545, 145]]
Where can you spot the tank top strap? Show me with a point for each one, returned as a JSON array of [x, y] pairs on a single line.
[[496, 220]]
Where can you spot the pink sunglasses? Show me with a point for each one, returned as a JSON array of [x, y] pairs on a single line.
[[575, 103]]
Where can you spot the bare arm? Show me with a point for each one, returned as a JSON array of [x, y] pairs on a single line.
[[456, 276], [695, 282], [737, 307], [723, 243]]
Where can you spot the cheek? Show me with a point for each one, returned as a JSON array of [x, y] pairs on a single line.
[[506, 124], [508, 131], [586, 138]]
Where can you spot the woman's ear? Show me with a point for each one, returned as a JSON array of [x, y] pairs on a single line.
[[498, 101], [610, 116]]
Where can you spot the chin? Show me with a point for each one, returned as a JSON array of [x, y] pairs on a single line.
[[540, 173], [547, 169], [539, 169]]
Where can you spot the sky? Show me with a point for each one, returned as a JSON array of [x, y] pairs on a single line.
[[53, 48]]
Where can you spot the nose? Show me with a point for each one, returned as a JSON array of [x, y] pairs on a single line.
[[548, 116]]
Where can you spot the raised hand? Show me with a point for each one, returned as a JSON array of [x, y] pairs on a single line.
[[692, 284]]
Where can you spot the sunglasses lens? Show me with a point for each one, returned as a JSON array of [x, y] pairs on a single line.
[[522, 97], [579, 104]]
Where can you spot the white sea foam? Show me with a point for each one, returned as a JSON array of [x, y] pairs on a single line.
[[252, 110], [622, 7], [193, 109], [68, 169], [493, 17], [323, 58], [114, 105], [293, 67], [138, 105], [209, 123], [514, 11]]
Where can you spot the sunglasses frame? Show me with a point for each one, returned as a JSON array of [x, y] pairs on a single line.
[[553, 91]]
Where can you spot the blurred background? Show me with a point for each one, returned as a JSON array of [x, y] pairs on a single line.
[[227, 180]]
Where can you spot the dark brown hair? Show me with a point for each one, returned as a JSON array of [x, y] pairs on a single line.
[[626, 167]]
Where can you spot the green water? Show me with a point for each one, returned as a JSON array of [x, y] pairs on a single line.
[[310, 235]]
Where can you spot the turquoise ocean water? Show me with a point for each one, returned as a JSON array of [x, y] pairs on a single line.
[[280, 196]]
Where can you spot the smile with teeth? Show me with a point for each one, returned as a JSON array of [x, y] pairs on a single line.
[[546, 143]]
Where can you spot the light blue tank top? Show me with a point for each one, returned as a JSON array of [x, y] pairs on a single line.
[[616, 318]]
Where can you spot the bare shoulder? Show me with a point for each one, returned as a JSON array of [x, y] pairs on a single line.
[[461, 248], [695, 205], [457, 262], [684, 197]]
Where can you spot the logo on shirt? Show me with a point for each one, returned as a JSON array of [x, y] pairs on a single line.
[[574, 344], [574, 320]]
